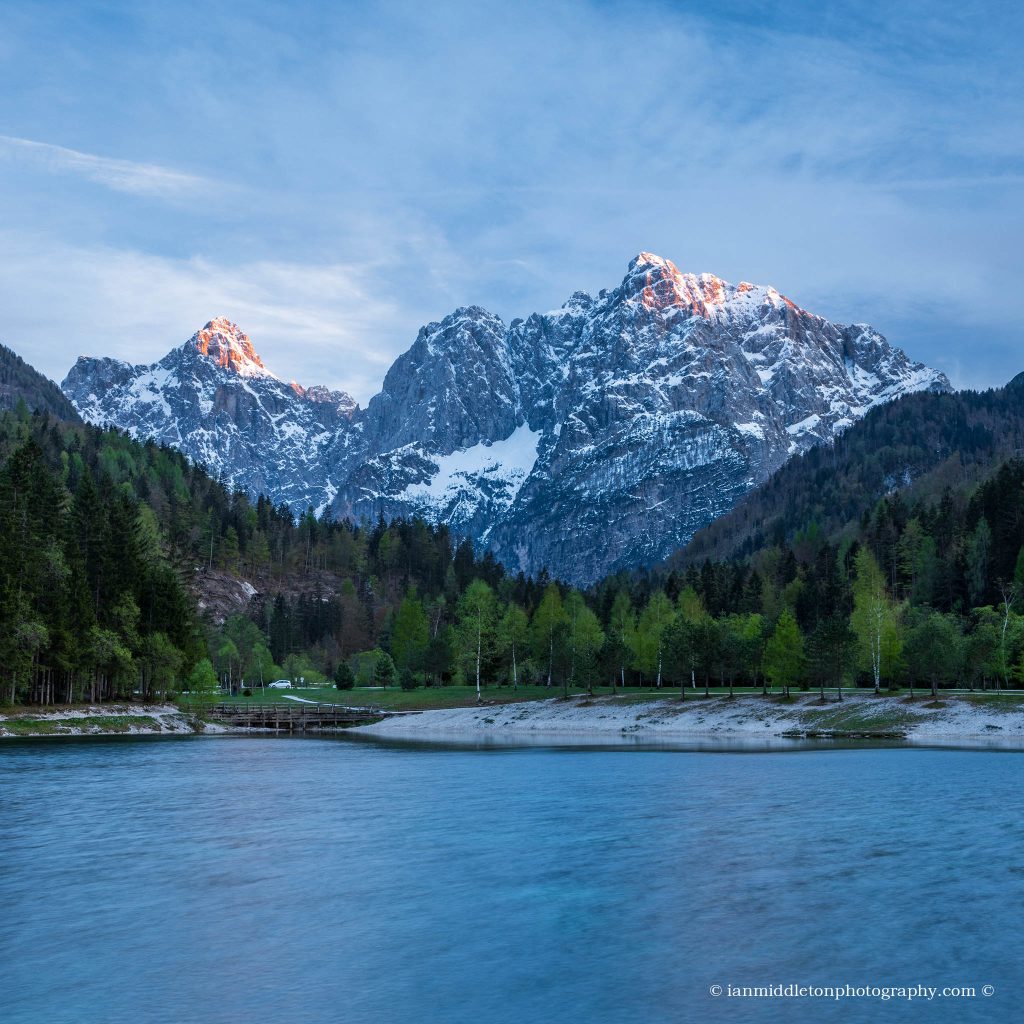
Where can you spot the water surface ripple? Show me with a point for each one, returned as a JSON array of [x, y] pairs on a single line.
[[261, 880]]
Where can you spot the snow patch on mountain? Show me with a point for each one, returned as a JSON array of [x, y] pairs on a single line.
[[509, 462]]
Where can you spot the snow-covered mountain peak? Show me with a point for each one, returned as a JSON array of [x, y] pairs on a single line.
[[592, 438], [459, 335], [648, 275], [229, 347], [576, 305], [644, 261]]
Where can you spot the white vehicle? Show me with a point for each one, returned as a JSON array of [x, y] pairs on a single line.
[[280, 684]]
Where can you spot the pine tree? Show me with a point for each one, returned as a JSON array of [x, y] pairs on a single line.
[[410, 634], [384, 671], [784, 653]]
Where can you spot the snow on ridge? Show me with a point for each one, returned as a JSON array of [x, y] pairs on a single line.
[[753, 429], [804, 426], [510, 461]]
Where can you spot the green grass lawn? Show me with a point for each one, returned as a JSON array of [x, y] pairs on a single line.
[[409, 700], [424, 698], [857, 717], [998, 700]]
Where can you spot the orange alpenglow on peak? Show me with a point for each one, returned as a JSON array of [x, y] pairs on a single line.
[[660, 285], [224, 342]]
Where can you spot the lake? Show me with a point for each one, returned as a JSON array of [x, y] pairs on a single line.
[[275, 880]]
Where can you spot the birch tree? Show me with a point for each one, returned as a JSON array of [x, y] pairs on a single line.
[[654, 618], [547, 619], [511, 635], [476, 617], [874, 619]]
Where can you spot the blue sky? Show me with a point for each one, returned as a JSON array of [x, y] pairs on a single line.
[[333, 175]]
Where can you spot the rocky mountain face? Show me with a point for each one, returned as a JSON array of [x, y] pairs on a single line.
[[599, 436], [215, 400]]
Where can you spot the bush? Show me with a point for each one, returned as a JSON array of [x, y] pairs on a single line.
[[247, 692], [202, 688], [407, 680]]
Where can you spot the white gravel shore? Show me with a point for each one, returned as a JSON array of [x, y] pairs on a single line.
[[99, 720], [743, 718]]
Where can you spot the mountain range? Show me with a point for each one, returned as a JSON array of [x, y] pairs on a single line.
[[599, 436]]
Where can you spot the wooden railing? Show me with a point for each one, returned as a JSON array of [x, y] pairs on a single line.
[[293, 716]]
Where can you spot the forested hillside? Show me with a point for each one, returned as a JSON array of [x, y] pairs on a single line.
[[91, 603], [21, 383], [924, 442], [105, 544]]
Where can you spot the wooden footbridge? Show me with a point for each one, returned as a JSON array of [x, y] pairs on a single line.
[[295, 716]]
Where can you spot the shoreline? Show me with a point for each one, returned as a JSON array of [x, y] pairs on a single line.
[[100, 720], [744, 719], [715, 722]]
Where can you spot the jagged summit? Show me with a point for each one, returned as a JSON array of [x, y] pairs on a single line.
[[341, 400], [596, 437], [228, 346], [659, 284], [214, 398]]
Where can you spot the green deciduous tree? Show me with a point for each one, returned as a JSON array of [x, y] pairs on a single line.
[[202, 686], [410, 634], [544, 628], [621, 636], [933, 649], [585, 638]]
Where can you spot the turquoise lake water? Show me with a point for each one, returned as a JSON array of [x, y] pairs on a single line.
[[268, 880]]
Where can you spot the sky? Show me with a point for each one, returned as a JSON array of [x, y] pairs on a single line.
[[331, 176]]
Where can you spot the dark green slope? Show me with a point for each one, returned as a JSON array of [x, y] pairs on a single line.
[[919, 444], [20, 382]]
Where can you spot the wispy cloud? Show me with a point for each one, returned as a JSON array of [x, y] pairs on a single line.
[[119, 175], [390, 162], [309, 322]]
